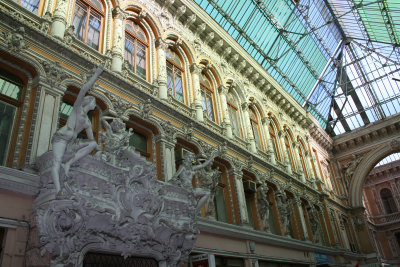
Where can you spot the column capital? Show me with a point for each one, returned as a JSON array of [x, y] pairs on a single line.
[[266, 121], [118, 13], [223, 90], [196, 68], [245, 106], [161, 44]]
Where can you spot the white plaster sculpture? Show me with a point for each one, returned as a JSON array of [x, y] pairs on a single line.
[[116, 143], [65, 139], [263, 204], [183, 177], [284, 210], [209, 180]]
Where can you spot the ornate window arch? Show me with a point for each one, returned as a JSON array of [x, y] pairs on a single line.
[[272, 128], [255, 126], [11, 99], [136, 48], [388, 201], [207, 96], [288, 144], [175, 75], [234, 117], [302, 154], [88, 20]]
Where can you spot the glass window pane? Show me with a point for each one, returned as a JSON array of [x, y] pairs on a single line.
[[139, 141], [97, 4], [219, 204], [210, 108], [130, 51], [9, 89], [178, 86], [7, 113], [94, 31], [170, 80], [141, 61], [31, 5], [79, 21], [66, 110]]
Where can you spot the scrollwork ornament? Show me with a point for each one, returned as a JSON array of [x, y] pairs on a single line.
[[145, 109]]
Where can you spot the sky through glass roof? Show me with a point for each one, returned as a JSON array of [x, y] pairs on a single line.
[[323, 52]]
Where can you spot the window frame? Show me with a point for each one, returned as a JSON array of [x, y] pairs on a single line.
[[39, 6], [290, 152], [204, 90], [232, 108], [272, 134], [17, 104], [101, 13], [254, 122], [173, 70], [134, 40]]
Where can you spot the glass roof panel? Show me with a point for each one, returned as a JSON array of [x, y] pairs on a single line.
[[388, 159], [336, 58]]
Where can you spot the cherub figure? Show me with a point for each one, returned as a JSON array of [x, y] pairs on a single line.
[[66, 137]]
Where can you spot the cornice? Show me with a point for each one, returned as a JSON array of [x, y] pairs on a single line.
[[19, 181], [370, 135]]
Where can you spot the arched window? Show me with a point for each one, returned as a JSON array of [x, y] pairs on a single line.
[[88, 19], [207, 95], [233, 115], [136, 46], [10, 100], [289, 152], [274, 141], [255, 127], [302, 161], [174, 75], [31, 5], [388, 201]]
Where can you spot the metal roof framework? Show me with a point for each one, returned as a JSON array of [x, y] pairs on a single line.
[[338, 59]]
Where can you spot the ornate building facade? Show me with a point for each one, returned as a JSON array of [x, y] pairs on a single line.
[[381, 200], [283, 193]]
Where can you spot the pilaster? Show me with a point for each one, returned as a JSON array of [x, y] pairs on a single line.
[[118, 39], [249, 131], [223, 91], [196, 70], [162, 47]]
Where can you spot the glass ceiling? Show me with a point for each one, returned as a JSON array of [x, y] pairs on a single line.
[[389, 159], [338, 59]]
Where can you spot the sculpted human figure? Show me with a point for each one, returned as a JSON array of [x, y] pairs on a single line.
[[116, 138], [187, 170], [66, 137], [284, 210], [209, 180], [263, 204]]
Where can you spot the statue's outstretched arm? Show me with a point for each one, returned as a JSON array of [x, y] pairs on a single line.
[[85, 88], [207, 162]]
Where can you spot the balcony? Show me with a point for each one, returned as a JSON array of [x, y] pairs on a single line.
[[383, 220]]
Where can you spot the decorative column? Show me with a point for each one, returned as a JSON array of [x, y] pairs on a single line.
[[223, 91], [237, 175], [250, 136], [299, 208], [118, 39], [50, 93], [285, 152], [162, 47], [59, 19], [270, 150], [166, 142], [196, 70], [324, 226]]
